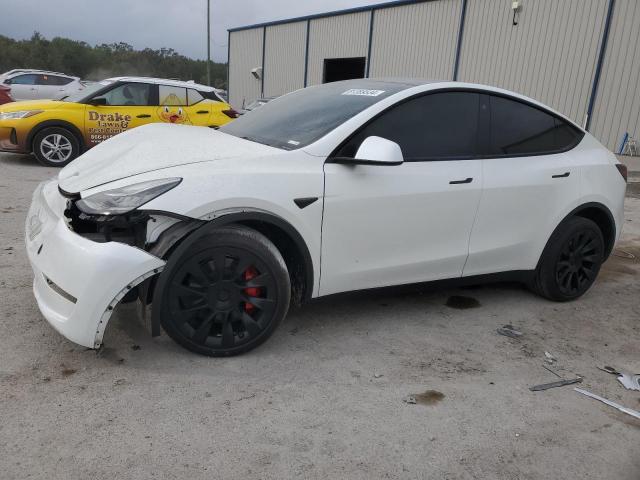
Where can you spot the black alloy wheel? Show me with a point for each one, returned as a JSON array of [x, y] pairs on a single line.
[[571, 260], [576, 267], [226, 293]]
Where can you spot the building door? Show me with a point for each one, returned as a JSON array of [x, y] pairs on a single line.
[[336, 69]]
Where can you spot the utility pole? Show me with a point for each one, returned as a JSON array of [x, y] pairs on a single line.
[[209, 42]]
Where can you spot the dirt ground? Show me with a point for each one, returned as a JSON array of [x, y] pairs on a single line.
[[323, 398]]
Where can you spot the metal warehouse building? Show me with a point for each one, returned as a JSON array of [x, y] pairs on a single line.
[[581, 57]]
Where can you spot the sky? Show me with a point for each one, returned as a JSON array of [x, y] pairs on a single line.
[[177, 24]]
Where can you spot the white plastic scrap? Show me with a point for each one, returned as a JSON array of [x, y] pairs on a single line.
[[630, 382], [623, 409]]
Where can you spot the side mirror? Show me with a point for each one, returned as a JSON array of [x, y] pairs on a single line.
[[374, 151], [8, 81], [98, 101]]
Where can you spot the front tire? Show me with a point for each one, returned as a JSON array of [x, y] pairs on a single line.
[[225, 294], [570, 261], [55, 146]]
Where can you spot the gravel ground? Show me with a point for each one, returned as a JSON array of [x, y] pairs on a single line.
[[323, 398]]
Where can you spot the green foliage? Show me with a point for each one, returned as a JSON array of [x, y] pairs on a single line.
[[107, 60]]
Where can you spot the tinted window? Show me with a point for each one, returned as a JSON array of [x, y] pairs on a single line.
[[194, 96], [519, 129], [24, 80], [132, 94], [302, 117], [173, 95], [435, 126], [567, 136], [53, 80]]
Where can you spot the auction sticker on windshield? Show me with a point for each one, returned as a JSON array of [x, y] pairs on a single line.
[[363, 92]]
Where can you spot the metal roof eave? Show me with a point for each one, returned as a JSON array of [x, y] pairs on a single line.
[[335, 13]]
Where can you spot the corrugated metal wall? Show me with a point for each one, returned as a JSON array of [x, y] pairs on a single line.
[[617, 106], [245, 53], [415, 40], [284, 58], [550, 55], [341, 36]]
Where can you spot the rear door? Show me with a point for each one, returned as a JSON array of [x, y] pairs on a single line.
[[128, 105], [187, 106], [389, 225], [529, 182], [173, 106], [51, 86]]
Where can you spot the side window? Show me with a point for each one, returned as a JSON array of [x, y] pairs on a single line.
[[194, 96], [173, 95], [29, 79], [54, 80], [128, 94], [520, 129], [567, 136], [436, 126], [61, 80]]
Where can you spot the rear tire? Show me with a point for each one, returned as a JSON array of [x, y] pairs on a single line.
[[570, 261], [55, 146], [225, 294]]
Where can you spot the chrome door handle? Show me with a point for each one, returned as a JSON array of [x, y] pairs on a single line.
[[564, 175], [458, 182]]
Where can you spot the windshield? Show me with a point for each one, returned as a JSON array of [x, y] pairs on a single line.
[[302, 117], [87, 92]]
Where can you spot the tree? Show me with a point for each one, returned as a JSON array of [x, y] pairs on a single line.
[[106, 60]]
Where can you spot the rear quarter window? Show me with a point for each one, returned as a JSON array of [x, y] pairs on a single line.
[[521, 129]]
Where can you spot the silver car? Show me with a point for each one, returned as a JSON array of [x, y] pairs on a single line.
[[29, 84]]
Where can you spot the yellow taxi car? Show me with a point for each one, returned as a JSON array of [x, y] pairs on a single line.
[[59, 131]]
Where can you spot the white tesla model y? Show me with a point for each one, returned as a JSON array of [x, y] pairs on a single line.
[[343, 186]]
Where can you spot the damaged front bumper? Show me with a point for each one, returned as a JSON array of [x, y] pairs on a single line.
[[78, 282]]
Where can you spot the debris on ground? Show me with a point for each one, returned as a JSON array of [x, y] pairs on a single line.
[[559, 383], [552, 371], [609, 369], [410, 399], [429, 397], [509, 331], [630, 382], [618, 252], [377, 375], [549, 358], [623, 409]]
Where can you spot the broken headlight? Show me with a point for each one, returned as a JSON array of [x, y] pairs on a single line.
[[125, 199]]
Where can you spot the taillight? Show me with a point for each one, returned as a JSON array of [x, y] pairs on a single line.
[[622, 168], [231, 113]]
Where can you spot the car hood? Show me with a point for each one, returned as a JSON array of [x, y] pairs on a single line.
[[154, 147]]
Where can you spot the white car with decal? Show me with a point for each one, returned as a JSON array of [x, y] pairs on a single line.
[[338, 187]]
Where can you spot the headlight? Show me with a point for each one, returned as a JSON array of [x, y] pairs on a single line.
[[20, 114], [125, 199]]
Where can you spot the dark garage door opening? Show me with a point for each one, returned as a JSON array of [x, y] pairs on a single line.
[[336, 69]]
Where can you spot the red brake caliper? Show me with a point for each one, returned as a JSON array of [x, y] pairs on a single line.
[[249, 274]]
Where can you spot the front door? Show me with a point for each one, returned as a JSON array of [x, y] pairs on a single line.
[[389, 225], [24, 87], [127, 106]]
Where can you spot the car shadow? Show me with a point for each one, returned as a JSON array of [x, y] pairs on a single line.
[[19, 159], [128, 335]]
